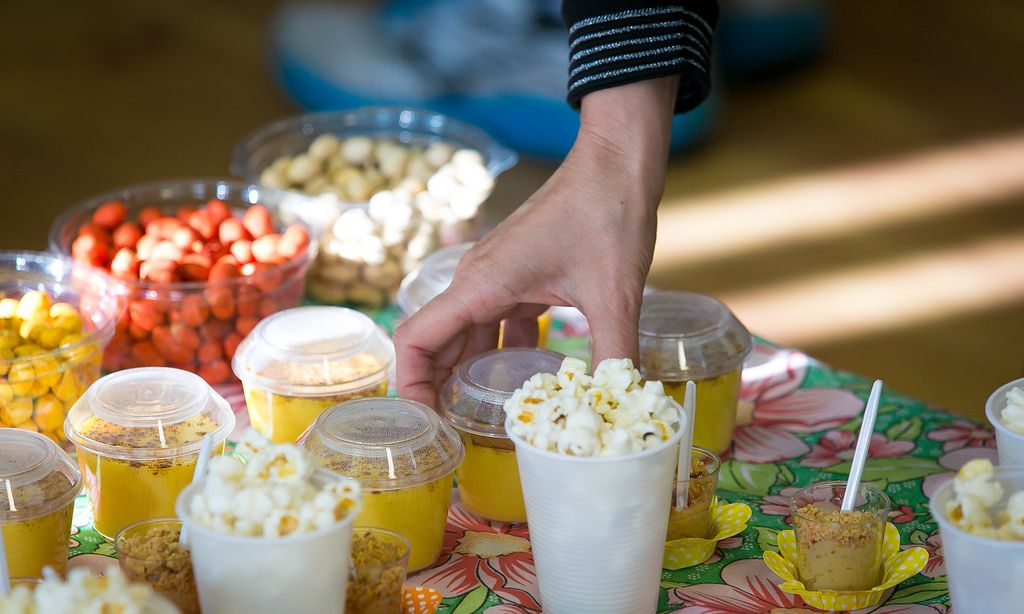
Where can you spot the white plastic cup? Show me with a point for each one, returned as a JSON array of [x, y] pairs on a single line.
[[597, 525], [234, 574], [984, 574], [1009, 444]]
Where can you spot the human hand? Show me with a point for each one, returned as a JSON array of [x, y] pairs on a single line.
[[584, 239]]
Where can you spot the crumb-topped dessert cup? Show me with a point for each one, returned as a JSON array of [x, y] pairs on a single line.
[[837, 550], [404, 457], [686, 336], [472, 402], [149, 551], [380, 563], [38, 486], [696, 518], [298, 362], [138, 434]]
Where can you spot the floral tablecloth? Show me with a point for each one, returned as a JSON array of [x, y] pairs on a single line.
[[797, 424]]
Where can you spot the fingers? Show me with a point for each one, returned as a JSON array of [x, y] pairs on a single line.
[[614, 328]]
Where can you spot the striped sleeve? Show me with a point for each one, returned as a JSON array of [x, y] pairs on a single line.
[[617, 42]]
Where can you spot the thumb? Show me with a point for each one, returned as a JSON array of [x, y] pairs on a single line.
[[614, 324]]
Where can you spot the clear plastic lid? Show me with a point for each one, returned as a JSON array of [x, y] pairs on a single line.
[[315, 351], [387, 444], [430, 278], [473, 398], [36, 476], [148, 413], [685, 335]]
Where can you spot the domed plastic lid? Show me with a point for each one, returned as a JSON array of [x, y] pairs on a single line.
[[430, 278], [473, 398], [36, 476], [148, 413], [315, 351], [684, 335], [387, 444]]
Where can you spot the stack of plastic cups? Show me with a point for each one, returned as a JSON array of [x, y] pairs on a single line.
[[597, 525], [1009, 443], [984, 574], [304, 572]]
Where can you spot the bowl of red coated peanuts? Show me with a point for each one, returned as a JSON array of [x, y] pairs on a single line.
[[199, 263]]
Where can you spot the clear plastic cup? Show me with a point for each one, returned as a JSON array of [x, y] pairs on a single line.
[[686, 336], [597, 525], [38, 486], [472, 402], [148, 552], [138, 434], [983, 573], [404, 458], [839, 555], [696, 518], [302, 572], [435, 274], [1009, 443], [380, 560], [298, 362]]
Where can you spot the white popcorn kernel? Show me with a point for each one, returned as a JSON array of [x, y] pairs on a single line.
[[1013, 412], [352, 224]]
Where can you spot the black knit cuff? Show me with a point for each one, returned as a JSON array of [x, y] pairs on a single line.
[[638, 44]]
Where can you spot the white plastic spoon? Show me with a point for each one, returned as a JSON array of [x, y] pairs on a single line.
[[686, 446], [205, 449], [860, 454]]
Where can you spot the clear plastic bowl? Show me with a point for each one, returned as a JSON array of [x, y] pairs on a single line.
[[169, 572], [343, 275], [430, 278], [36, 391], [240, 302]]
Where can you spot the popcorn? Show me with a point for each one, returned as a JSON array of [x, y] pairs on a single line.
[[977, 496], [607, 414], [271, 494], [1013, 413], [84, 593]]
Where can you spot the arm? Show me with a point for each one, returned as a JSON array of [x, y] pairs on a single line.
[[585, 239]]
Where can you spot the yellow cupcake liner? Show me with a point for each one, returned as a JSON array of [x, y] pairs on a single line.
[[728, 520], [898, 565]]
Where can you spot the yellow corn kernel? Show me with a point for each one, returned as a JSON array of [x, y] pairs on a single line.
[[58, 310], [8, 308], [9, 338], [6, 356], [27, 349], [67, 389], [30, 328], [49, 413], [55, 436], [50, 337], [47, 370], [73, 356], [68, 323], [6, 392], [28, 425], [34, 304], [17, 410], [22, 378]]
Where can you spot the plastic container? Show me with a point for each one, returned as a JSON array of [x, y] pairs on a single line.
[[138, 434], [148, 553], [365, 255], [472, 401], [839, 556], [38, 486], [208, 318], [1009, 443], [303, 572], [380, 560], [404, 458], [298, 362], [696, 518], [983, 573], [38, 388], [435, 274], [597, 526], [686, 336]]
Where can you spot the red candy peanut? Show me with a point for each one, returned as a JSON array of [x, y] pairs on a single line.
[[242, 251], [194, 267], [96, 231], [148, 215], [125, 264], [245, 324], [127, 235], [144, 314], [144, 248], [218, 211], [184, 212], [194, 311], [224, 269], [109, 215], [231, 343], [215, 372], [165, 250], [185, 238], [203, 224], [264, 249], [222, 304], [159, 271], [231, 230], [257, 221], [163, 228], [89, 250], [293, 242]]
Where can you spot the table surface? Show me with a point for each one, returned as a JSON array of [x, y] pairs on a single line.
[[797, 424]]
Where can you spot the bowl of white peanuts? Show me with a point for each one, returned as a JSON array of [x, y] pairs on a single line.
[[390, 186]]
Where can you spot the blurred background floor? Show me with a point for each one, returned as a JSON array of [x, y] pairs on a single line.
[[868, 209]]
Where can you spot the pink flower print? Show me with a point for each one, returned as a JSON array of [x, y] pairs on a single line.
[[963, 434], [837, 446]]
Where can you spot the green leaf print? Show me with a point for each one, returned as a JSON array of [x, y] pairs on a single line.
[[892, 469], [918, 537], [472, 601], [751, 478], [767, 539], [919, 593], [906, 430]]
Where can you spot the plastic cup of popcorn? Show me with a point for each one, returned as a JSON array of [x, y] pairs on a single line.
[[300, 572], [983, 572], [1009, 443]]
